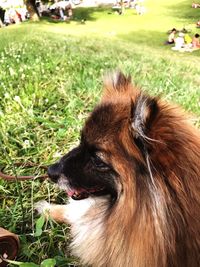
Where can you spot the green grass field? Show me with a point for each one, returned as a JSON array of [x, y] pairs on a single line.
[[51, 78]]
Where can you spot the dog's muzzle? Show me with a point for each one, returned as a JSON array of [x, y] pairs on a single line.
[[54, 172]]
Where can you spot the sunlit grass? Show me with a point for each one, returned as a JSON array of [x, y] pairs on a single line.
[[51, 78]]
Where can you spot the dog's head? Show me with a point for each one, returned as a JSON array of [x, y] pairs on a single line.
[[114, 140], [140, 154]]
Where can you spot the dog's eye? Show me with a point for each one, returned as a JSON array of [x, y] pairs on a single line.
[[98, 163]]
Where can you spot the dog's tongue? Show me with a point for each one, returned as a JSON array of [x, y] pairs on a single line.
[[80, 193], [72, 192]]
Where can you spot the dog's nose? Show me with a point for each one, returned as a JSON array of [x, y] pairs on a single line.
[[54, 172]]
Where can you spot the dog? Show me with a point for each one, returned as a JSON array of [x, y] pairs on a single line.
[[133, 183]]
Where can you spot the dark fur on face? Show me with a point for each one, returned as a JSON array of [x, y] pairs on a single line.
[[144, 155]]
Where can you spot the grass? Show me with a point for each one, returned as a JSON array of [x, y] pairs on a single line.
[[51, 78]]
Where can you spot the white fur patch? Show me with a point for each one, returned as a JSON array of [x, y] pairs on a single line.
[[78, 208], [42, 206], [87, 227], [87, 218]]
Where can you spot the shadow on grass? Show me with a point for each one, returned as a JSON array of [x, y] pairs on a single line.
[[152, 39], [90, 13], [185, 12], [83, 14]]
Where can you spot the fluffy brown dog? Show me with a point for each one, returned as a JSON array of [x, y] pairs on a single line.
[[133, 183]]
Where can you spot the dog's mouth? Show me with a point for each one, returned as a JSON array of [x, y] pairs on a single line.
[[81, 193]]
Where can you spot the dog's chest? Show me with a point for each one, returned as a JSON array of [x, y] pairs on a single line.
[[87, 226]]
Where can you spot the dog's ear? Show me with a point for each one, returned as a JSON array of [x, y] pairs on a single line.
[[116, 84], [144, 110]]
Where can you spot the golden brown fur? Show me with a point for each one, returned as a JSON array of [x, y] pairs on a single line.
[[155, 220]]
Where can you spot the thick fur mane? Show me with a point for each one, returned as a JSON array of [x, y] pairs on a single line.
[[136, 173], [156, 221], [167, 202]]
